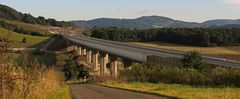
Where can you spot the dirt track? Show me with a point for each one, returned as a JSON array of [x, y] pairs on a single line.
[[87, 91]]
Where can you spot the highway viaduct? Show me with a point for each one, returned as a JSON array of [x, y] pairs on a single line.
[[107, 57]]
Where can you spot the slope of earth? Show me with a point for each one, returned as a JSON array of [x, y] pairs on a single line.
[[43, 29], [16, 39]]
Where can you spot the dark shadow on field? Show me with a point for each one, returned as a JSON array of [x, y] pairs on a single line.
[[40, 45], [50, 58]]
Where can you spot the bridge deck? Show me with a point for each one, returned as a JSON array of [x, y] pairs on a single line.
[[140, 53]]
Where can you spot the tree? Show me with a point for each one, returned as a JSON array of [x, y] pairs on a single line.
[[82, 72], [24, 40], [192, 60]]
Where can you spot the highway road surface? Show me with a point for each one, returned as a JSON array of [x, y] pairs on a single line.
[[87, 91], [140, 53]]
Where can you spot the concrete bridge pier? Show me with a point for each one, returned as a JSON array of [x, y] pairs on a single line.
[[89, 56], [104, 59], [75, 48], [95, 59], [116, 64], [79, 51], [84, 53]]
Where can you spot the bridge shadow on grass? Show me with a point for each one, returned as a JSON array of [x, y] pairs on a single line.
[[47, 58], [40, 44]]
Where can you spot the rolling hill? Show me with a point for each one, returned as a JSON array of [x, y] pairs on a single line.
[[147, 22], [221, 22], [9, 13], [144, 22], [23, 23]]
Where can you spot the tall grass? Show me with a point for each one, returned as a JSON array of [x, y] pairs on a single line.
[[28, 79]]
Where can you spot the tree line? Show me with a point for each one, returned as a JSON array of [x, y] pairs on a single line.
[[15, 28], [11, 14], [185, 36]]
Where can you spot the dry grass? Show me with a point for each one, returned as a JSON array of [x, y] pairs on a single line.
[[180, 91], [224, 52], [30, 81]]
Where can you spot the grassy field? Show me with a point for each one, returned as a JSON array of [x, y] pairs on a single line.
[[16, 38], [179, 91], [32, 27], [224, 52]]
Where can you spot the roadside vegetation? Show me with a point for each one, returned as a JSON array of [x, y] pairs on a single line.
[[74, 71], [193, 79], [178, 91], [28, 79]]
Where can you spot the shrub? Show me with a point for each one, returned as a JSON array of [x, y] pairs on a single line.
[[218, 76], [192, 60], [24, 40]]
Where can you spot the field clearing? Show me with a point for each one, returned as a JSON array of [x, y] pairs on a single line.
[[16, 39], [223, 52], [179, 91]]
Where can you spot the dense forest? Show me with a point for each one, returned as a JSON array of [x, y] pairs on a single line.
[[185, 36], [11, 14]]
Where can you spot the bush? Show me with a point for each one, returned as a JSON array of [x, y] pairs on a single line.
[[218, 76], [192, 59], [24, 40]]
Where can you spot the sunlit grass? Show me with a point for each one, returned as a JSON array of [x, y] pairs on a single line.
[[16, 38], [203, 50], [32, 27], [224, 52], [180, 91]]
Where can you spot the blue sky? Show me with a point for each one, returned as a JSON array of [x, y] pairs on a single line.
[[187, 10]]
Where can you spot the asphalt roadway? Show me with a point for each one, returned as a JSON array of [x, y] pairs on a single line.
[[88, 91], [139, 53]]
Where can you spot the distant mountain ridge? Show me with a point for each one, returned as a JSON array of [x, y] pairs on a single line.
[[221, 22], [147, 22]]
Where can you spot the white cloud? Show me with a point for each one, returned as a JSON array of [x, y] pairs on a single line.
[[233, 2]]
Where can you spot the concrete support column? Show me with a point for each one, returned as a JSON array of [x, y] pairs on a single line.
[[75, 48], [80, 50], [89, 56], [114, 66], [95, 60], [83, 51], [103, 64]]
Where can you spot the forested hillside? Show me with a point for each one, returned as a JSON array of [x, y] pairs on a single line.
[[9, 13], [185, 36]]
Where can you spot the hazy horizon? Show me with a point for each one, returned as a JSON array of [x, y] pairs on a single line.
[[186, 10]]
